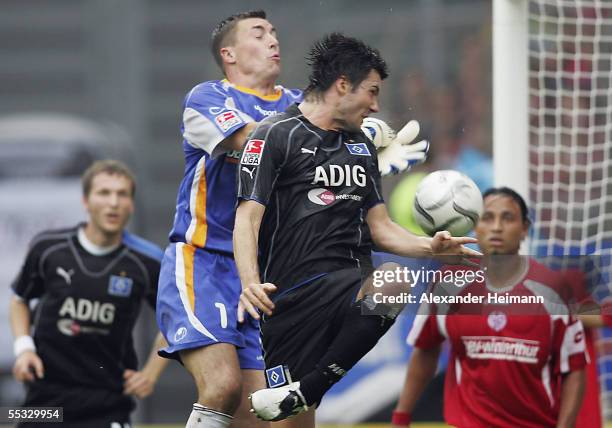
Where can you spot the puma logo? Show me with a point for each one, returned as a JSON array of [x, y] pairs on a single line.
[[66, 275], [249, 171], [309, 152]]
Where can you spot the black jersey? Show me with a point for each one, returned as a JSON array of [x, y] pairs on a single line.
[[317, 187], [88, 305]]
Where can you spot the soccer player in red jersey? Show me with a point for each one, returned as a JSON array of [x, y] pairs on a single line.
[[590, 415], [511, 365], [593, 317]]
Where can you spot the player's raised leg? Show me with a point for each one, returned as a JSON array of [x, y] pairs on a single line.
[[363, 322]]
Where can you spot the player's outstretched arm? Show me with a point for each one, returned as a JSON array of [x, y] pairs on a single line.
[[421, 369], [572, 393], [28, 364], [142, 383], [391, 237], [246, 231]]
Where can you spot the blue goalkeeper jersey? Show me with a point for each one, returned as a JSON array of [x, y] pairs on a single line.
[[206, 202]]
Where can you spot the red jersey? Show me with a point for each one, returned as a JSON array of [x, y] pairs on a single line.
[[506, 360], [590, 415]]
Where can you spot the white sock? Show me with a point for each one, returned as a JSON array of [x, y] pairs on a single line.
[[203, 417]]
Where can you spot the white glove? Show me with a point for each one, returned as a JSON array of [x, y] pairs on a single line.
[[378, 131], [398, 153]]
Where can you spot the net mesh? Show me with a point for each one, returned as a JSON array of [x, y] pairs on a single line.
[[570, 131]]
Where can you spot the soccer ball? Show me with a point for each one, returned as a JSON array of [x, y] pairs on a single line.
[[377, 131], [447, 200]]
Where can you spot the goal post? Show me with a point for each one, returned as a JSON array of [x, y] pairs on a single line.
[[510, 95]]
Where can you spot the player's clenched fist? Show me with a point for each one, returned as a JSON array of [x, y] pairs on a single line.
[[255, 296], [27, 366]]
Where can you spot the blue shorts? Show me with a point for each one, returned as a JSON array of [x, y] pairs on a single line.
[[197, 298]]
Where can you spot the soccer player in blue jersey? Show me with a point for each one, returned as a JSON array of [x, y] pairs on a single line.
[[199, 288]]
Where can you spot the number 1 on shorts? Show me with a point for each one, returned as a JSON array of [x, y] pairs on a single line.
[[222, 313]]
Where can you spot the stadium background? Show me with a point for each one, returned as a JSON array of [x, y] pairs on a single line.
[[130, 63]]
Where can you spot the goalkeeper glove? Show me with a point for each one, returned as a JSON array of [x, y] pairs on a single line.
[[396, 152], [378, 132]]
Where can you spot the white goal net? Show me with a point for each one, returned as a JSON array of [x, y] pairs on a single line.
[[570, 125], [564, 168]]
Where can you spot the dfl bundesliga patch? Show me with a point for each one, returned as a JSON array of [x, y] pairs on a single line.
[[227, 120], [252, 152], [120, 286], [358, 149]]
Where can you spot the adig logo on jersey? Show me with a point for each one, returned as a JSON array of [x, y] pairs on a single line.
[[321, 196], [252, 152], [340, 175], [227, 120], [358, 149], [120, 286], [88, 310], [327, 197]]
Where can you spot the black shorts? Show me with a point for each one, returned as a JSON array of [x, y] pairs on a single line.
[[306, 321], [83, 406]]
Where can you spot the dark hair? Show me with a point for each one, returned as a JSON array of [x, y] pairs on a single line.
[[506, 191], [223, 33], [107, 166], [337, 55]]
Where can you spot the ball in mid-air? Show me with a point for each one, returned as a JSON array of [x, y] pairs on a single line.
[[447, 200]]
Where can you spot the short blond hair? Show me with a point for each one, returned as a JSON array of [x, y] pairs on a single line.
[[106, 166]]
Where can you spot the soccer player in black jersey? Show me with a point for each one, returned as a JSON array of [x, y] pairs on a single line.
[[75, 348], [309, 190]]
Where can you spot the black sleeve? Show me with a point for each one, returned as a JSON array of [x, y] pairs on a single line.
[[375, 196], [262, 159], [29, 283], [153, 267]]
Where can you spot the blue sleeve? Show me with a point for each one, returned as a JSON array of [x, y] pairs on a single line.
[[209, 117]]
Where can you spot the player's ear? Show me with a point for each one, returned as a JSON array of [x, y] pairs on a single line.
[[343, 86], [228, 55], [525, 230]]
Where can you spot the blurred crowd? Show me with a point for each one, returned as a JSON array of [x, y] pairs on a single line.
[[455, 116]]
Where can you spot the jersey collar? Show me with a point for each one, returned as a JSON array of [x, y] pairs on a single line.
[[92, 248], [273, 97]]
